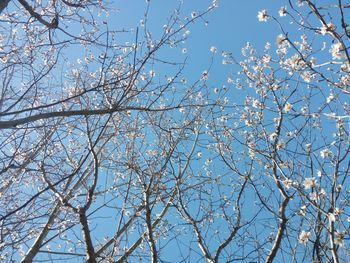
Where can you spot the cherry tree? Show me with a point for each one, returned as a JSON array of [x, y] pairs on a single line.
[[290, 136], [91, 130], [110, 153]]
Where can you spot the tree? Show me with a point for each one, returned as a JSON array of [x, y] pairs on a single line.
[[296, 131], [88, 138], [109, 154]]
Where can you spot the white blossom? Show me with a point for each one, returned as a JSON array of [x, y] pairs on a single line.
[[339, 238], [282, 11], [288, 183], [226, 54], [326, 28], [287, 107], [308, 147], [325, 153], [331, 217], [208, 162], [152, 73], [280, 40], [262, 15], [304, 237], [182, 110], [303, 210], [309, 183], [335, 51], [273, 136], [205, 75]]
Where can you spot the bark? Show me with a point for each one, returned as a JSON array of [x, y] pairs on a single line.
[[38, 242], [90, 252], [52, 24], [282, 227], [3, 5], [70, 113]]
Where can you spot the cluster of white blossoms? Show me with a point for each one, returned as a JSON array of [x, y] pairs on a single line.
[[339, 238], [303, 210], [262, 15], [282, 11], [304, 237], [205, 75], [309, 182], [336, 51], [316, 195], [331, 217], [182, 110], [152, 73], [288, 183], [325, 153], [301, 64], [308, 147], [307, 76], [258, 104], [327, 28], [273, 136], [287, 107]]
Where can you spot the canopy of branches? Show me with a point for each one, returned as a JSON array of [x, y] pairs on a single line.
[[111, 150]]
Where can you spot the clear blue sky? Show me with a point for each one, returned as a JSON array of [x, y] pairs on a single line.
[[230, 26]]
